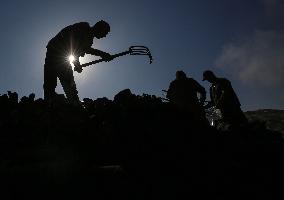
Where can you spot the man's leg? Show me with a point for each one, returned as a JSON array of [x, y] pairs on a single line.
[[233, 115], [50, 82], [69, 86], [239, 116], [197, 112]]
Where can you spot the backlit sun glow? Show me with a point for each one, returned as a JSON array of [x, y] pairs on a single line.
[[71, 59]]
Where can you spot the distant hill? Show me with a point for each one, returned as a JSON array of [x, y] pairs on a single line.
[[274, 119]]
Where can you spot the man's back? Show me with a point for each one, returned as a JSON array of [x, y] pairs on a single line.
[[184, 90], [72, 39], [223, 92]]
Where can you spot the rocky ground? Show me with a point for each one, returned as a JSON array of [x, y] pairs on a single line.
[[273, 119], [134, 147]]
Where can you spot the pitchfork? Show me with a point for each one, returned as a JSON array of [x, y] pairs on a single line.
[[133, 50]]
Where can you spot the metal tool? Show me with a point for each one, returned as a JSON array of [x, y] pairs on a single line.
[[133, 50]]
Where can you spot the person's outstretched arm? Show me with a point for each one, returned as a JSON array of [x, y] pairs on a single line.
[[104, 55]]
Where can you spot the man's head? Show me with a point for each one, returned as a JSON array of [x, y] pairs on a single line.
[[209, 76], [180, 75], [100, 29]]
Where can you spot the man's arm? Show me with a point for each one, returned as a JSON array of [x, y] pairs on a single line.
[[201, 90], [170, 91], [225, 86], [77, 65], [104, 55], [211, 102], [220, 100]]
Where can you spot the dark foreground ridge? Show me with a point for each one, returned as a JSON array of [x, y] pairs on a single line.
[[274, 119], [134, 147]]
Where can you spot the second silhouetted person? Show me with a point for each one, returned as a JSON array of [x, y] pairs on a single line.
[[183, 93], [223, 97]]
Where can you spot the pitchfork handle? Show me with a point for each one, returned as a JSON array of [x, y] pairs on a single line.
[[102, 60]]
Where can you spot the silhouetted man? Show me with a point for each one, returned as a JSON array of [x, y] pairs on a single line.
[[75, 40], [224, 98], [183, 93]]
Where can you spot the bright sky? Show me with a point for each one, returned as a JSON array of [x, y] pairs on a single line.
[[238, 39]]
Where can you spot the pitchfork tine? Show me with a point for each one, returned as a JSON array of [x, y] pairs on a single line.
[[141, 50]]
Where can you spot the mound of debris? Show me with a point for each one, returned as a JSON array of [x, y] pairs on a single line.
[[273, 119], [132, 147]]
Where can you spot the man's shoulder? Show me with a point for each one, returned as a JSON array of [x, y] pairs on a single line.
[[223, 81], [174, 82], [192, 81], [74, 27], [81, 25], [189, 79]]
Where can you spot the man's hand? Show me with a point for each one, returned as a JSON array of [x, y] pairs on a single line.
[[218, 104], [78, 68], [208, 105], [202, 100]]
